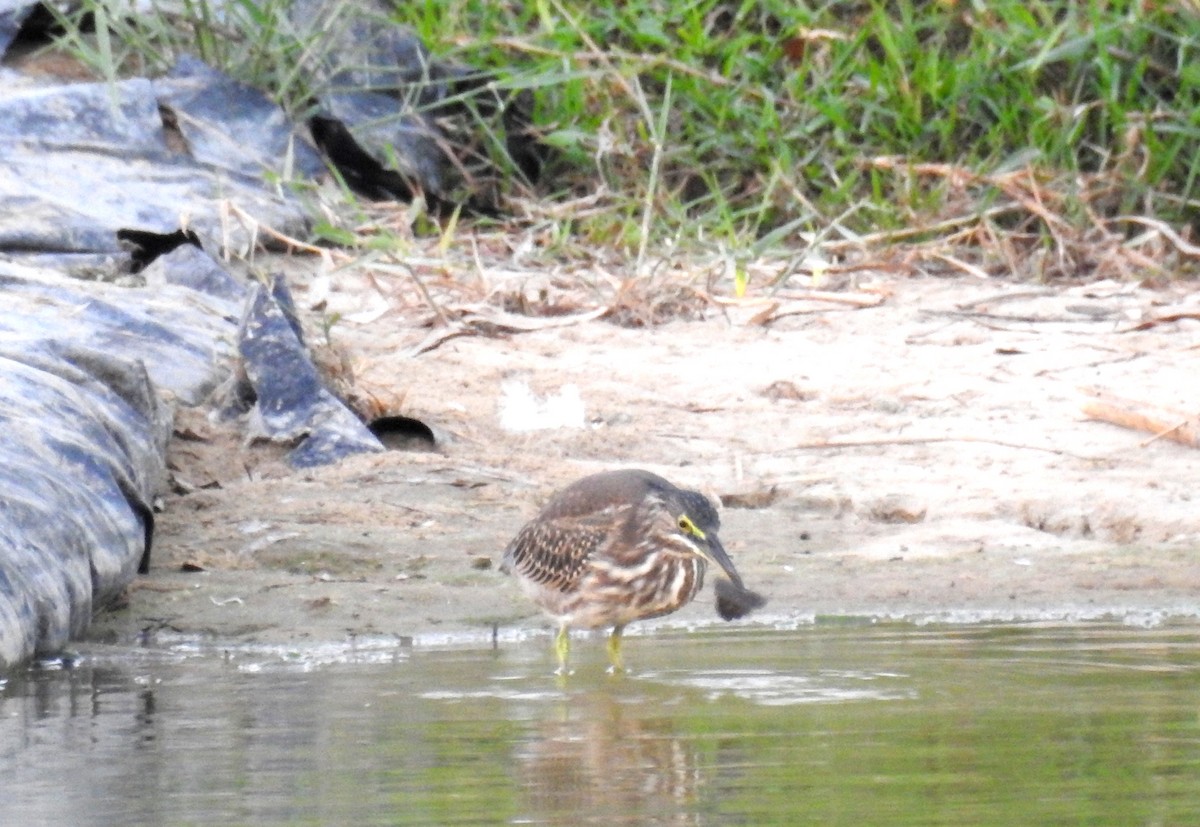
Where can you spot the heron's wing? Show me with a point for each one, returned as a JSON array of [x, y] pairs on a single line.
[[555, 552]]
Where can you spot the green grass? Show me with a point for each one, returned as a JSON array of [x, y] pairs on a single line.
[[759, 124], [253, 41]]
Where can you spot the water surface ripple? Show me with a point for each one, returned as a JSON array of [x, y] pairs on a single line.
[[840, 724]]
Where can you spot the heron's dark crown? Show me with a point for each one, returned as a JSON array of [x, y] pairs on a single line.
[[629, 487]]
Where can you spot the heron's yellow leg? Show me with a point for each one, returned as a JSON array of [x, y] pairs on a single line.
[[562, 646], [614, 650]]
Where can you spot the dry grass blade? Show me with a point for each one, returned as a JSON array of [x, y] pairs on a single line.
[[419, 283], [1039, 238], [1166, 231]]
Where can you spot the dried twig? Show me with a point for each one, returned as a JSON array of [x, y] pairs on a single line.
[[1126, 402], [403, 268], [857, 300], [966, 267], [922, 440], [1167, 319], [1145, 416], [292, 244], [493, 322]]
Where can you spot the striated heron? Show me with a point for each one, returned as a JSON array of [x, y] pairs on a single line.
[[621, 546]]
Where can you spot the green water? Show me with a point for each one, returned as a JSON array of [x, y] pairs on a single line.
[[830, 725]]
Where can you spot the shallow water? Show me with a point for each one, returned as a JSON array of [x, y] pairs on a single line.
[[853, 724]]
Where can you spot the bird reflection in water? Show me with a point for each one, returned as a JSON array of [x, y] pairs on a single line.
[[600, 756]]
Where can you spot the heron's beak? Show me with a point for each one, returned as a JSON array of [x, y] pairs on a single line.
[[734, 600], [713, 552]]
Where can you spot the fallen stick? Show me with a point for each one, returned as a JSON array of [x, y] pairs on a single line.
[[1183, 432], [1124, 401], [857, 300], [1167, 319], [919, 440]]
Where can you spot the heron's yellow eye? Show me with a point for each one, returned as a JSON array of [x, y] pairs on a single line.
[[686, 525]]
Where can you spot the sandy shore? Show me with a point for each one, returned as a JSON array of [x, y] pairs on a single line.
[[926, 457]]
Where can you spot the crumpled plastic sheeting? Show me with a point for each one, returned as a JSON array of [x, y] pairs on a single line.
[[396, 121], [229, 125], [83, 364], [83, 431], [12, 15], [79, 162], [189, 266], [291, 402], [80, 437], [181, 335]]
